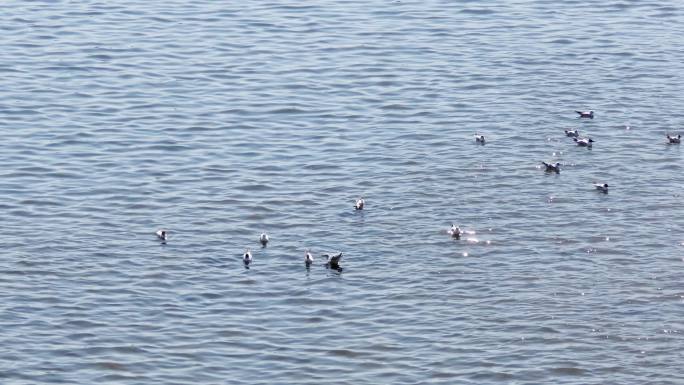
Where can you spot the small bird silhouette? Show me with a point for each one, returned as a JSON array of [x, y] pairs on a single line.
[[455, 231], [308, 258], [601, 187], [263, 238], [586, 114], [552, 167], [162, 234], [333, 260], [584, 142], [572, 133], [247, 257]]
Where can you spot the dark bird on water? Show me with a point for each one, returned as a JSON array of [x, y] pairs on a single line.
[[552, 167], [586, 114], [162, 234], [333, 260], [674, 139], [455, 231], [584, 142], [601, 187], [572, 133]]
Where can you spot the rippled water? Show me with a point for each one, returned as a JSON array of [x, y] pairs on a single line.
[[220, 120]]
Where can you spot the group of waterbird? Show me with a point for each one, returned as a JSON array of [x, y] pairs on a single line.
[[333, 260], [588, 142]]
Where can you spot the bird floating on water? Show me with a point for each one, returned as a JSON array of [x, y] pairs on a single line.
[[162, 234], [584, 142], [552, 167], [308, 258], [333, 260], [263, 238], [455, 231], [586, 114], [572, 133], [359, 204], [479, 139], [601, 187], [247, 257], [674, 139]]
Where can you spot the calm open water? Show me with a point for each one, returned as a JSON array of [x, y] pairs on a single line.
[[220, 120]]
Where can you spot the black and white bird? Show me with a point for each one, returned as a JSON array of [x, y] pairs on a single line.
[[479, 139], [455, 231], [333, 260], [572, 133], [584, 142], [674, 139], [601, 187], [162, 234], [308, 258], [359, 204], [552, 167], [247, 257], [586, 114], [263, 239]]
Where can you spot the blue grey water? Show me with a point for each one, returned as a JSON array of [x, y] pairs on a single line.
[[220, 120]]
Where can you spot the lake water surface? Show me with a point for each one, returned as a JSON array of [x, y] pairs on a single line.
[[221, 120]]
